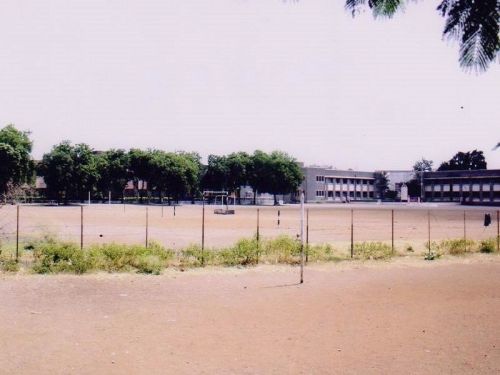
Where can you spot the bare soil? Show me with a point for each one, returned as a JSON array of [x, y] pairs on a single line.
[[404, 316]]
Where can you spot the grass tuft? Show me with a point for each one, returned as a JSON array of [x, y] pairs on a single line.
[[372, 250]]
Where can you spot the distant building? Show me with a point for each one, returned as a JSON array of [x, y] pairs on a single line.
[[471, 187], [325, 184]]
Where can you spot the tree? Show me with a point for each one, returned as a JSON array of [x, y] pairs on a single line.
[[473, 23], [69, 171], [238, 165], [423, 165], [16, 165], [258, 173], [285, 175], [140, 169], [381, 184], [113, 172], [216, 174], [415, 185], [465, 161]]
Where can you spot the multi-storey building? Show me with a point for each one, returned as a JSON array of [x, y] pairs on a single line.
[[480, 186], [328, 184]]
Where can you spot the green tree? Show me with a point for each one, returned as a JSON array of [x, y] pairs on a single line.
[[259, 173], [284, 176], [140, 169], [381, 184], [216, 174], [238, 165], [473, 23], [113, 172], [70, 172], [465, 161], [16, 164], [415, 185]]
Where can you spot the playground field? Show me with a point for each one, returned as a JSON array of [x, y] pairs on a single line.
[[405, 316]]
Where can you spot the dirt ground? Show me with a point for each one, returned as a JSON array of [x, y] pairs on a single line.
[[327, 224], [405, 316]]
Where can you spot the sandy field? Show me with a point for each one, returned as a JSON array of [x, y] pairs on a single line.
[[327, 223], [399, 317]]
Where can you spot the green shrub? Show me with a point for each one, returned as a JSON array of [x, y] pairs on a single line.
[[193, 256], [432, 255], [122, 258], [457, 246], [323, 253], [282, 249], [245, 252], [488, 246], [54, 257], [9, 265], [372, 250]]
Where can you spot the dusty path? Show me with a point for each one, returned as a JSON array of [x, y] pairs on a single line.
[[413, 317]]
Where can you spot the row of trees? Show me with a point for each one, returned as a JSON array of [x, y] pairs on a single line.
[[71, 171]]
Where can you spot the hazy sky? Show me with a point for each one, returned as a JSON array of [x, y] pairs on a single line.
[[227, 75]]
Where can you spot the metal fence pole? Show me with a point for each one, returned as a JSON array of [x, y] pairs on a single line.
[[147, 226], [81, 227], [352, 233], [307, 235], [498, 231], [302, 238], [429, 230], [257, 235], [278, 218], [465, 234], [17, 234], [203, 233], [392, 231]]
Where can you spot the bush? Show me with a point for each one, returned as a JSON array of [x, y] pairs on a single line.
[[372, 250], [193, 256], [323, 253], [245, 252], [122, 258], [488, 246], [54, 257], [457, 246], [282, 249], [9, 265]]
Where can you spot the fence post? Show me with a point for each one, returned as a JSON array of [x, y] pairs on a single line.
[[258, 235], [81, 227], [17, 234], [174, 209], [498, 231], [465, 235], [278, 218], [147, 226], [161, 209], [392, 231], [307, 235], [302, 237], [203, 232], [352, 233], [429, 230]]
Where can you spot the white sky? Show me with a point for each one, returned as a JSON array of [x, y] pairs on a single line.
[[228, 75]]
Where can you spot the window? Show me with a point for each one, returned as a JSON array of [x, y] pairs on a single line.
[[320, 193], [320, 178]]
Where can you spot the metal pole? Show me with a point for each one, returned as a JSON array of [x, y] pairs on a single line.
[[109, 197], [302, 237], [352, 233], [498, 231], [258, 235], [174, 209], [81, 227], [89, 197], [162, 209], [307, 235], [392, 231], [203, 233], [147, 226], [17, 235], [429, 229], [465, 235], [278, 218]]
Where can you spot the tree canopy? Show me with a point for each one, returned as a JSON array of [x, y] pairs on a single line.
[[473, 23], [16, 165], [465, 161]]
